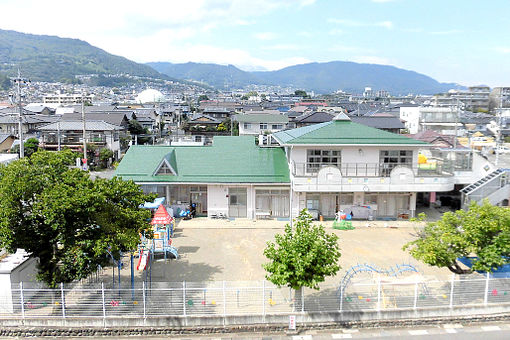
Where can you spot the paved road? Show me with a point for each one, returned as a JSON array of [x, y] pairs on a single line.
[[495, 331]]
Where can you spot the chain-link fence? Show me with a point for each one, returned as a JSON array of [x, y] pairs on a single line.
[[248, 298]]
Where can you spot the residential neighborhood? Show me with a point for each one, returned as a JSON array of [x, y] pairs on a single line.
[[264, 170]]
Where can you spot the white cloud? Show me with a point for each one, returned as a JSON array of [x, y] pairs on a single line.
[[354, 23], [305, 34], [265, 36], [283, 47]]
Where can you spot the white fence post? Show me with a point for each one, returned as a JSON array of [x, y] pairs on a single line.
[[184, 298], [102, 298], [486, 296], [302, 299], [224, 301], [379, 293], [451, 290], [341, 298], [415, 295], [144, 303], [63, 300], [264, 297], [22, 300]]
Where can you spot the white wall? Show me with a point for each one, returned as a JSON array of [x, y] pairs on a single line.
[[411, 116], [217, 199]]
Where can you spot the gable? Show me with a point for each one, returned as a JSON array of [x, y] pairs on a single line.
[[164, 169]]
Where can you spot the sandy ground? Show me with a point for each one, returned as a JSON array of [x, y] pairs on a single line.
[[217, 250]]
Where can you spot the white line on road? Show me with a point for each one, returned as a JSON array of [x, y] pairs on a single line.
[[341, 336], [491, 328], [418, 332], [450, 330]]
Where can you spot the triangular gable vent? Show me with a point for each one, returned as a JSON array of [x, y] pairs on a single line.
[[165, 169]]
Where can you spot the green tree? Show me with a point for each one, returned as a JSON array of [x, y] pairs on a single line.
[[105, 155], [482, 231], [135, 128], [301, 93], [58, 214], [31, 146], [202, 97], [302, 256]]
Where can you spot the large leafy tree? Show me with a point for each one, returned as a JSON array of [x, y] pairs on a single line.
[[58, 214], [302, 256], [482, 231]]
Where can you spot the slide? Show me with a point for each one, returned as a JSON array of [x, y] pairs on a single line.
[[142, 261], [173, 251]]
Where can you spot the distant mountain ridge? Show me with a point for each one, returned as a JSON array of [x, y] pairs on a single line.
[[319, 77], [51, 58]]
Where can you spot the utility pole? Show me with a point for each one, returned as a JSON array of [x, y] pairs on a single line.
[[498, 136], [85, 163], [456, 123], [18, 81]]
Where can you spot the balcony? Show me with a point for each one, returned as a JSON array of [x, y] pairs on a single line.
[[433, 168]]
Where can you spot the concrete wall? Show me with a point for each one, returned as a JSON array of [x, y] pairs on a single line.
[[303, 319]]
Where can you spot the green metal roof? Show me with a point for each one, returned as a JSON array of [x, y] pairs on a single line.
[[342, 132], [230, 159], [261, 118]]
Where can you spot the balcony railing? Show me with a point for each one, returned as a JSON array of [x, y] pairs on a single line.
[[433, 168]]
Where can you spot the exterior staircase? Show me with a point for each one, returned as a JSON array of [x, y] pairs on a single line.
[[495, 187]]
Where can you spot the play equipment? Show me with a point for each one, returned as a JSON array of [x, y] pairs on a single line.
[[399, 269], [343, 221], [162, 229]]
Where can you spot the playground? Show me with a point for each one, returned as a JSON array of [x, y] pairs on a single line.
[[231, 250]]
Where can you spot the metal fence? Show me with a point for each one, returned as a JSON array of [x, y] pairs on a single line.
[[248, 298]]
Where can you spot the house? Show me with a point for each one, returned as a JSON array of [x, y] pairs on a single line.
[[202, 122], [386, 122], [326, 167], [315, 117], [70, 134], [6, 141], [233, 176], [259, 124], [343, 165]]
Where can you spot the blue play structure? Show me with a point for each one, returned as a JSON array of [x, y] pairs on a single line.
[[501, 272], [399, 269]]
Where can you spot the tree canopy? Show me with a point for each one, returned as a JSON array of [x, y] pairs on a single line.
[[483, 232], [58, 214], [302, 256]]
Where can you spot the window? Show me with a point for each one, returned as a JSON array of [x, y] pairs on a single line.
[[317, 159], [370, 199], [276, 126], [164, 169], [312, 202], [263, 126], [346, 199], [247, 126], [392, 158], [396, 157]]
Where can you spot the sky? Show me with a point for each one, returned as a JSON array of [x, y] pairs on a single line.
[[460, 41]]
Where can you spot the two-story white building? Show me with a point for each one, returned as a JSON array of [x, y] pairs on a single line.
[[342, 165], [259, 124]]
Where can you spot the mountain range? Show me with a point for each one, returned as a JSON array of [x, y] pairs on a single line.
[[51, 58], [319, 77]]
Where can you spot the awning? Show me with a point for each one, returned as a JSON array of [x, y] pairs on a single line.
[[162, 216]]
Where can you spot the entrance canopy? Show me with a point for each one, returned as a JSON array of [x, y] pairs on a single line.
[[162, 216]]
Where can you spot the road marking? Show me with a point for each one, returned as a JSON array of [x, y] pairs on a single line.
[[302, 337], [452, 325], [341, 336], [450, 330], [350, 331], [491, 328], [418, 332]]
